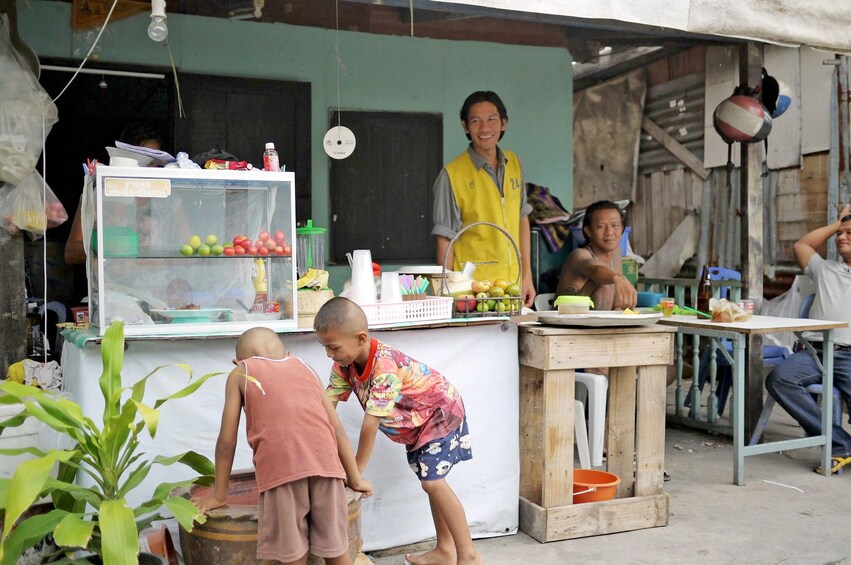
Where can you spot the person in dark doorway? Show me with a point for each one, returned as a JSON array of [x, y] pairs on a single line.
[[788, 381], [595, 270], [484, 184], [136, 133]]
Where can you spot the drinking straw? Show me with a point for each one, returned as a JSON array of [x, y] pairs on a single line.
[[687, 309]]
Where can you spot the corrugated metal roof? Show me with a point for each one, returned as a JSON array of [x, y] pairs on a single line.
[[677, 107]]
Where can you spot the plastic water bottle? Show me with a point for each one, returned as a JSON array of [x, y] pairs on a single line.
[[270, 159]]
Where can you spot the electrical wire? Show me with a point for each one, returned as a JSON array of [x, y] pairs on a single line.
[[44, 176], [91, 50], [337, 56], [44, 243], [180, 111]]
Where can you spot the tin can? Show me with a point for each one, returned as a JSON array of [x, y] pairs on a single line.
[[273, 307], [747, 305]]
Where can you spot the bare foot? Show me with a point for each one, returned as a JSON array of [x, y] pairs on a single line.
[[434, 557], [475, 559]]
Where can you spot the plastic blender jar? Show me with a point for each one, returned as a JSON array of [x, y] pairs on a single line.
[[310, 247]]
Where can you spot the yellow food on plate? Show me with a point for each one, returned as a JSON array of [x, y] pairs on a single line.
[[629, 312]]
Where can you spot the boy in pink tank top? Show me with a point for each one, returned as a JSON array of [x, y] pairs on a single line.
[[302, 455], [413, 405]]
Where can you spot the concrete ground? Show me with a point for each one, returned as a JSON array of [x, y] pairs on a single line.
[[785, 513]]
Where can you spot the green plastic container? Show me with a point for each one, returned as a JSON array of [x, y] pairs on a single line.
[[118, 241], [630, 271]]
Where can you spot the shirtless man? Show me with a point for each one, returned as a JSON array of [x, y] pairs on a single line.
[[595, 270]]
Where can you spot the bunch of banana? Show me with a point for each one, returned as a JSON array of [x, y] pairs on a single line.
[[316, 279]]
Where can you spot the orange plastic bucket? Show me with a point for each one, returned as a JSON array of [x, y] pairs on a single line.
[[590, 485]]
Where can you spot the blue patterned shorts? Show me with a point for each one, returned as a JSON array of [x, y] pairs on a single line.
[[434, 460]]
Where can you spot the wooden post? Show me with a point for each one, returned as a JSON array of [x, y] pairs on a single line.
[[753, 157], [13, 300]]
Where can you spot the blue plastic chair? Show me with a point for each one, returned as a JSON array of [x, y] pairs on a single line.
[[815, 389], [722, 274]]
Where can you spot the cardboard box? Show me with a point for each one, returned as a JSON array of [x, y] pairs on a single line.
[[630, 270]]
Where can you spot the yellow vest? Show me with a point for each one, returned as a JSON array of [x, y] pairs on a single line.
[[479, 201]]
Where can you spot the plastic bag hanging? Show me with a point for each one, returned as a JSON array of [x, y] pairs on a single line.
[[26, 113], [23, 207]]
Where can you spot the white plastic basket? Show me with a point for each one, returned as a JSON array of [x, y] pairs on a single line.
[[430, 308]]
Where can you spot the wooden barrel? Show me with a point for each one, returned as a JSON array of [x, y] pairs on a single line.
[[229, 536]]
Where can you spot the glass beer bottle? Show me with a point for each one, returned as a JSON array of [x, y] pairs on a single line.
[[704, 292]]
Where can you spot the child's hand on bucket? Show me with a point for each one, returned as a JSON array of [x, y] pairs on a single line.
[[361, 485], [207, 502]]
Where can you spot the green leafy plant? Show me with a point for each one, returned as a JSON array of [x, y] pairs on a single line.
[[97, 519]]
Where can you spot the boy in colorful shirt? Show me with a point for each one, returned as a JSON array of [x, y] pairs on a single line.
[[413, 405], [301, 453]]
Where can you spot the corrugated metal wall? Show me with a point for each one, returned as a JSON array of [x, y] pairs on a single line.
[[677, 107], [666, 191]]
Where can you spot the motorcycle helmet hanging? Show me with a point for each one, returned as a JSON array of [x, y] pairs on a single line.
[[742, 118]]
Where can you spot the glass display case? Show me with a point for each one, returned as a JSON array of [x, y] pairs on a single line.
[[179, 251]]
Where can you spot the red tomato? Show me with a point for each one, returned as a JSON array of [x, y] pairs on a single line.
[[264, 235], [280, 238], [252, 250], [270, 244], [263, 250], [245, 243], [278, 250], [239, 250], [231, 250], [288, 250], [238, 239]]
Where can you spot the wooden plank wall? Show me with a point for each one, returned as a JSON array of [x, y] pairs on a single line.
[[801, 203], [663, 199]]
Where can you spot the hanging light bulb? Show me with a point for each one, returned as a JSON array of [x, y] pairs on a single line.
[[158, 30]]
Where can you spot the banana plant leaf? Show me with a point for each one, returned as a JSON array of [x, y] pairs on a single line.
[[119, 538]]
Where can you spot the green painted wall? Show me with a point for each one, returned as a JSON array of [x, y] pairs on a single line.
[[381, 73]]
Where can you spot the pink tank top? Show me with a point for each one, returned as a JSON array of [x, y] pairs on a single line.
[[287, 427]]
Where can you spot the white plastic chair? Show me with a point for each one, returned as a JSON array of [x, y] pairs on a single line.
[[596, 387], [544, 302], [580, 433]]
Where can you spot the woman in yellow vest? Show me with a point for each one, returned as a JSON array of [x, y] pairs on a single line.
[[484, 184]]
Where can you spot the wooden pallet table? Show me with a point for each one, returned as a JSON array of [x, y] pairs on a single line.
[[638, 358]]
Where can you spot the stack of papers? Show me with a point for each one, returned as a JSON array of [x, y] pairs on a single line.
[[160, 157]]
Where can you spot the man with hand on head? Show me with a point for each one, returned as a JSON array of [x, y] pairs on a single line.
[[788, 381]]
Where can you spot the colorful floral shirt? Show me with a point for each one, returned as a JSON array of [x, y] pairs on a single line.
[[415, 403]]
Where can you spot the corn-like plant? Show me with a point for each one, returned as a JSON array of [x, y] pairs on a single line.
[[97, 519]]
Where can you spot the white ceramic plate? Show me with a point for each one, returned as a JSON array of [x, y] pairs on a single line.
[[143, 160], [185, 316], [599, 319]]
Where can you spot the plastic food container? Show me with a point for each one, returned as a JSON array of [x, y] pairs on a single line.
[[573, 304], [119, 241]]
